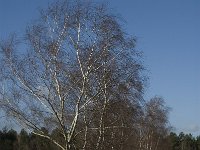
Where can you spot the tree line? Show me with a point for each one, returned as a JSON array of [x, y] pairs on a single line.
[[11, 140]]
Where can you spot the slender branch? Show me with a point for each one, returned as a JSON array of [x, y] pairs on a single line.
[[48, 137]]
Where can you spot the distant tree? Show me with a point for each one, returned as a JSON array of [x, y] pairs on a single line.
[[23, 140], [187, 142], [153, 126], [198, 142], [182, 141], [8, 140], [174, 141], [190, 142], [76, 72]]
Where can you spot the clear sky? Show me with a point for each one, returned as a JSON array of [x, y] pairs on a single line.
[[168, 32]]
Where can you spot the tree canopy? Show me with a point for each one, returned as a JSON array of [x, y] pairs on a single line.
[[77, 82]]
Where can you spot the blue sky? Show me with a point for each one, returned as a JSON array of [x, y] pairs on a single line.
[[168, 32]]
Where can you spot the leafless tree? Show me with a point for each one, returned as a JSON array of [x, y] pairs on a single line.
[[154, 125], [77, 72]]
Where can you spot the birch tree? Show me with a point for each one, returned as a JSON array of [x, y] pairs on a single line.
[[154, 125], [75, 71]]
